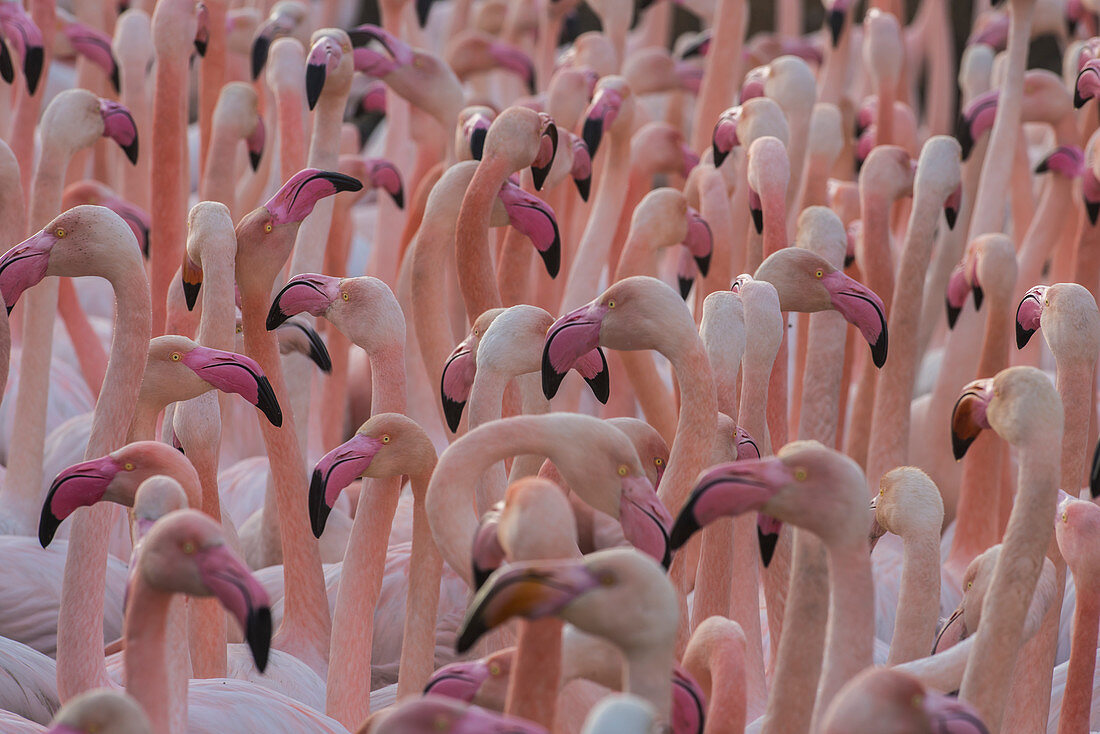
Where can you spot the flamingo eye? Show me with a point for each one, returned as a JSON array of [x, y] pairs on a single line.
[[176, 356], [622, 470], [188, 547], [659, 461], [345, 296], [385, 438], [239, 330], [881, 492], [1065, 517], [60, 232], [477, 332], [607, 579], [494, 670], [969, 585], [800, 474], [128, 466], [820, 273], [267, 228], [611, 303]]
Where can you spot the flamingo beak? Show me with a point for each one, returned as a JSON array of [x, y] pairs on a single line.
[[767, 536], [81, 485], [1094, 473], [323, 58], [968, 417], [487, 554], [119, 126], [862, 308], [295, 200], [645, 519], [460, 681], [952, 639], [601, 114], [24, 265], [255, 143], [317, 351], [456, 383], [384, 175], [728, 490], [202, 32], [191, 274], [724, 138], [582, 168], [950, 714], [835, 20], [1029, 314], [1087, 84], [572, 335], [229, 579], [423, 8], [533, 217], [951, 207], [336, 470], [548, 150], [306, 293], [532, 590], [236, 374]]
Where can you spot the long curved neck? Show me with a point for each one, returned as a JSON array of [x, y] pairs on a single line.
[[848, 640], [698, 414], [486, 405], [649, 675], [890, 419], [988, 673], [1074, 382], [476, 275], [726, 704], [918, 599], [425, 569], [584, 273], [306, 622], [431, 253], [217, 328], [159, 689], [1082, 659], [218, 180]]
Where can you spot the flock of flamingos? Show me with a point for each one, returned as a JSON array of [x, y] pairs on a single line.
[[850, 493]]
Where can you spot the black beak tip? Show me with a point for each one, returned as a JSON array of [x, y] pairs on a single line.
[[959, 445], [477, 143], [757, 219], [551, 378], [879, 349], [1094, 474], [600, 384], [979, 296], [399, 198], [1078, 100], [343, 182], [275, 316], [1093, 209], [539, 174], [191, 294], [551, 256], [685, 286], [719, 155], [258, 634], [259, 55], [469, 634], [593, 131], [682, 530], [951, 215], [835, 19], [423, 7], [1043, 167], [47, 526], [318, 352], [1023, 336], [315, 83], [452, 411], [481, 575], [114, 78], [704, 264], [848, 260], [952, 315], [131, 151], [200, 49], [962, 134], [7, 70], [267, 402], [254, 159], [32, 67], [318, 508], [767, 543], [584, 186]]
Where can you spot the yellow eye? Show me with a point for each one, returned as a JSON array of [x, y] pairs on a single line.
[[128, 466], [239, 330], [607, 579], [1065, 517], [820, 273], [659, 461], [800, 474], [611, 303], [176, 356], [59, 232], [881, 492], [969, 584], [385, 438], [345, 296], [188, 548], [494, 670], [622, 470], [477, 332], [267, 228]]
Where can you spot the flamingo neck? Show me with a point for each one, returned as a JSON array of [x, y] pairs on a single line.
[[918, 598], [476, 274], [145, 632], [649, 675], [726, 704], [1074, 383], [849, 637], [988, 673], [691, 449], [1082, 659]]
